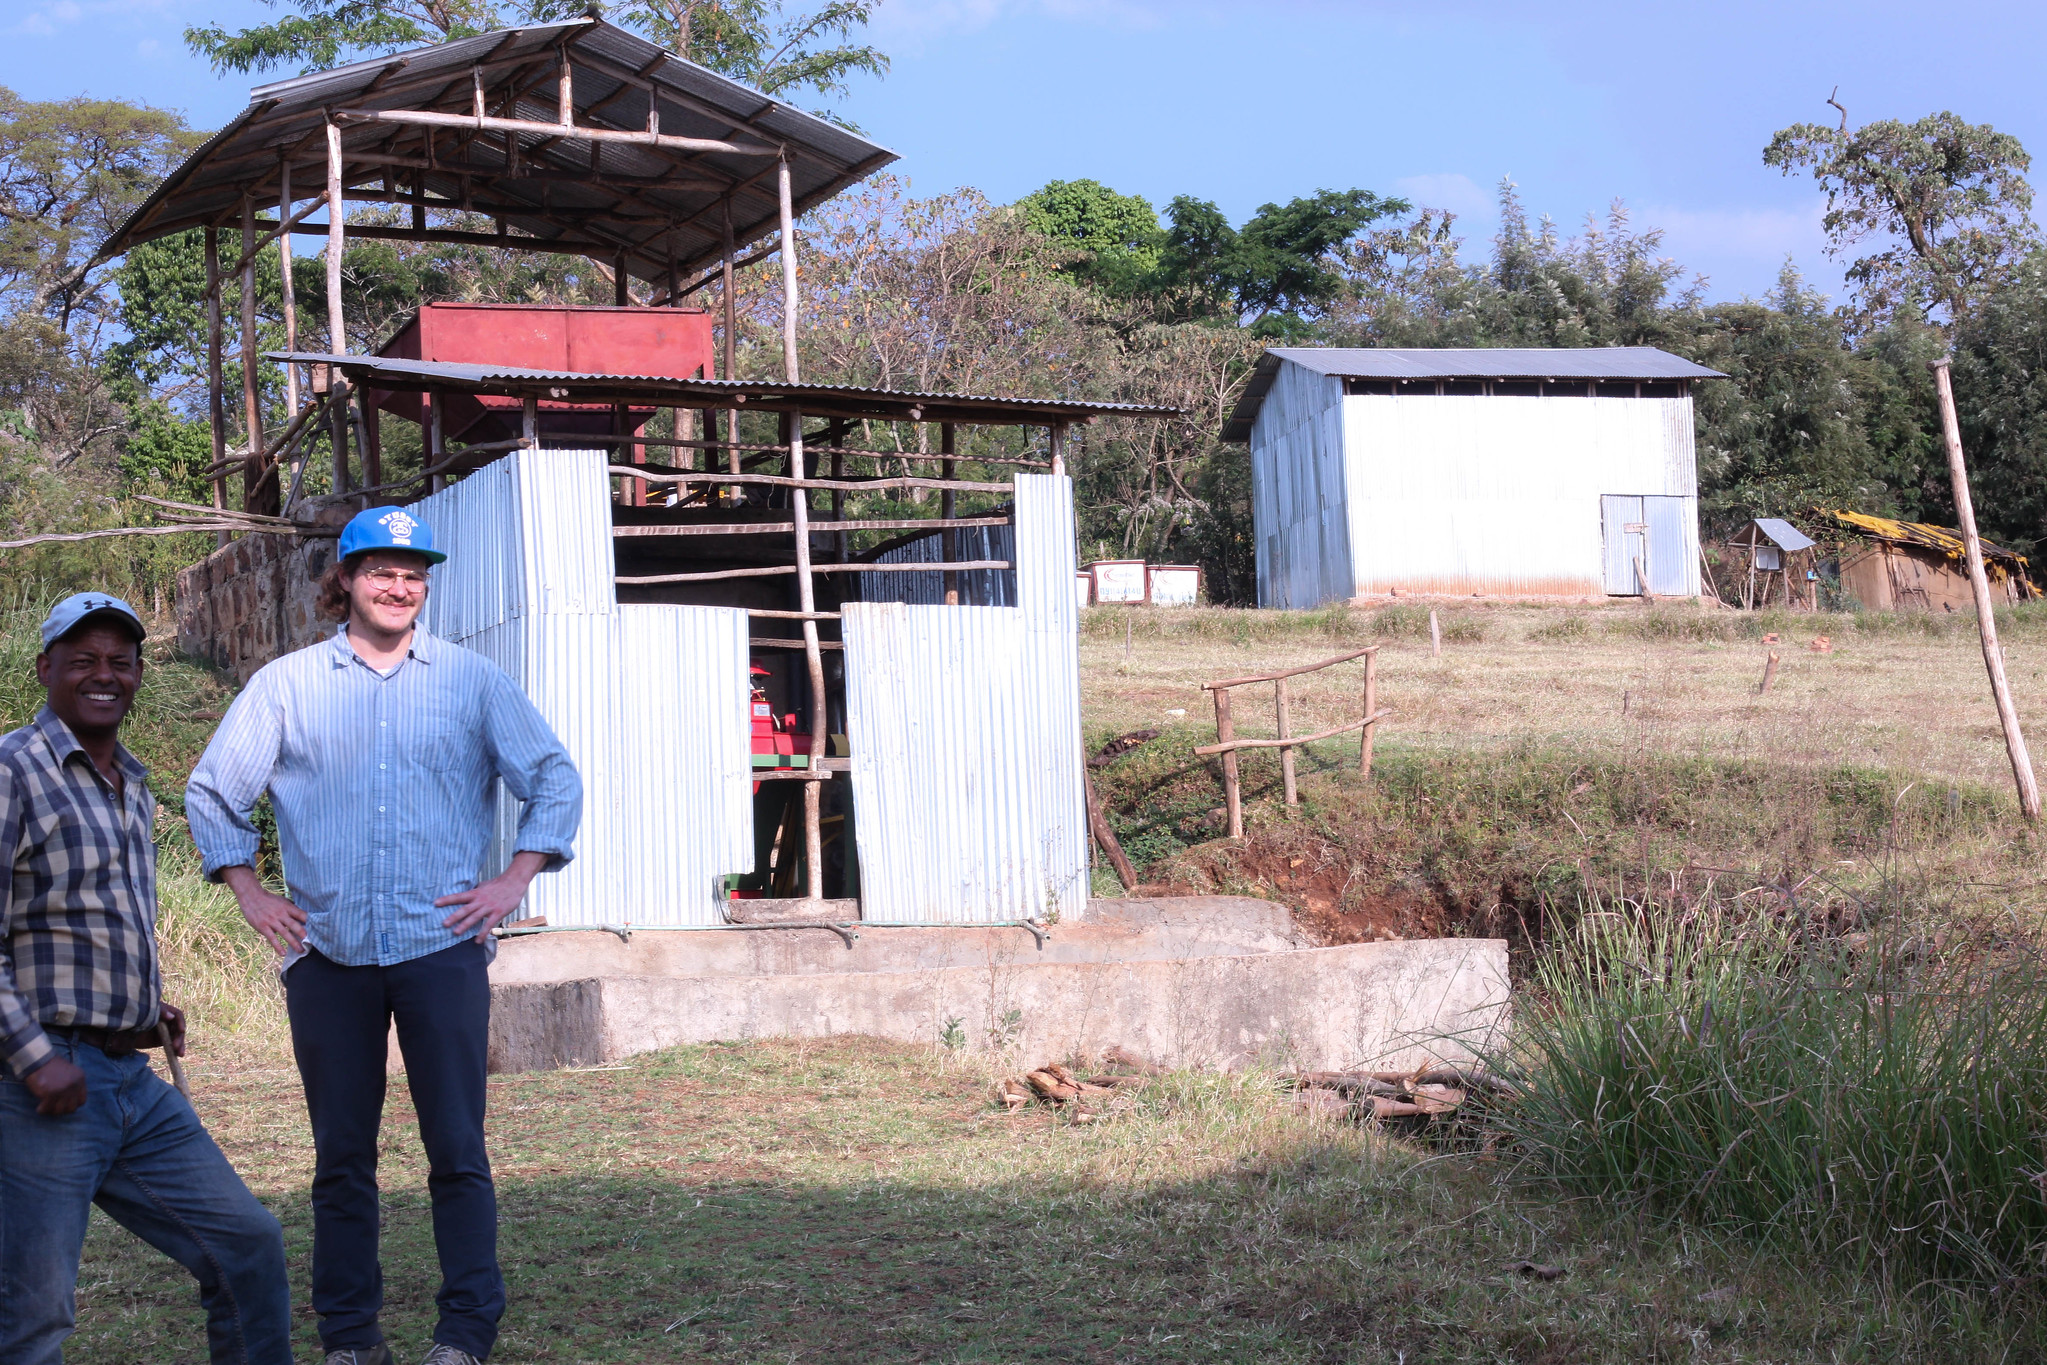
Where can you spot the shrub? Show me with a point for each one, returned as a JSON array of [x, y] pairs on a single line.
[[1874, 1103]]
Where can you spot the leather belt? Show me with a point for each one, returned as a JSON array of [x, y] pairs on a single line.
[[114, 1042]]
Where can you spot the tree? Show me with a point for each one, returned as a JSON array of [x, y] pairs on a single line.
[[1948, 200], [1276, 274], [1116, 238], [768, 44]]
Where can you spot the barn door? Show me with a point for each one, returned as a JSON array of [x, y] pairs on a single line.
[[1670, 549], [1626, 540]]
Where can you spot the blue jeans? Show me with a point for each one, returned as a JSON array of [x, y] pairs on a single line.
[[341, 1019], [137, 1150]]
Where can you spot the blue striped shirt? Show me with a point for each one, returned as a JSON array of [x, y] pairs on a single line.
[[382, 788]]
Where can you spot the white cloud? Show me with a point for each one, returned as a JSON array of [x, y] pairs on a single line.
[[1451, 190]]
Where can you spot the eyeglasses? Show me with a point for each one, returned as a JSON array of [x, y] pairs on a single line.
[[396, 580]]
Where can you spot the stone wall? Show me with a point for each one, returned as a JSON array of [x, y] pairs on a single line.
[[253, 600]]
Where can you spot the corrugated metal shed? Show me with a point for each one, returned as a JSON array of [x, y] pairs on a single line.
[[642, 198], [1505, 362]]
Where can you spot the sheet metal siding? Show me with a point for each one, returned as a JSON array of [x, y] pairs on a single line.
[[965, 726], [977, 587], [683, 735], [1673, 545], [1298, 505], [1501, 362], [1501, 496]]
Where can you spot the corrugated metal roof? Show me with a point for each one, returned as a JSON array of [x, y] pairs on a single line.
[[642, 198], [1503, 362], [389, 372], [1783, 534]]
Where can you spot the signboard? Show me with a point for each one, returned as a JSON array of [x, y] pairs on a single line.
[[1175, 585], [1118, 580]]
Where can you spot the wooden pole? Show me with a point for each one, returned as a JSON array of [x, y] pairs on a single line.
[[1986, 618], [337, 427], [1282, 704], [337, 232], [949, 543], [436, 440], [289, 292], [806, 602], [216, 401], [1769, 674], [730, 346], [1225, 731], [371, 417], [1105, 835], [621, 293], [1371, 712], [1435, 638], [1058, 445], [790, 369], [529, 422]]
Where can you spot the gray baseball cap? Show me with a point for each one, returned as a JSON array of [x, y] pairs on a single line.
[[76, 609]]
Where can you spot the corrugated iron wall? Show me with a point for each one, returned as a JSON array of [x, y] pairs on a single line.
[[977, 587], [650, 701], [965, 725], [1501, 495], [1298, 492]]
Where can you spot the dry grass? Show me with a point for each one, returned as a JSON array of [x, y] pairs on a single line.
[[1895, 692]]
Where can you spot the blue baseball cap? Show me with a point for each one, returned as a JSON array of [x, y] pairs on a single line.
[[388, 528], [75, 610]]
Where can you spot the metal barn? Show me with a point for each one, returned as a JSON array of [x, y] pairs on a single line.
[[1471, 473]]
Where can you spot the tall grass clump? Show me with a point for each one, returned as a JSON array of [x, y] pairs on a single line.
[[1870, 1103], [214, 966]]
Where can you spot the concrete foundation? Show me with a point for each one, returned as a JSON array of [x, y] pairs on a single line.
[[1203, 981]]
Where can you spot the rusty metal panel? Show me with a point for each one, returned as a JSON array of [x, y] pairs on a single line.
[[682, 743]]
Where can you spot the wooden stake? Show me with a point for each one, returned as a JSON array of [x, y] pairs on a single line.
[[1281, 703], [1986, 618], [1769, 674], [1435, 639], [1371, 712], [1225, 731], [1098, 822]]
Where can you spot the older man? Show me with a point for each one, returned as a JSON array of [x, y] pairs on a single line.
[[379, 748], [83, 1118]]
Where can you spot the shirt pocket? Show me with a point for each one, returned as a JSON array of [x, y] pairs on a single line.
[[443, 734]]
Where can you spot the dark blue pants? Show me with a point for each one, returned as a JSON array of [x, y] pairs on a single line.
[[340, 1020], [137, 1150]]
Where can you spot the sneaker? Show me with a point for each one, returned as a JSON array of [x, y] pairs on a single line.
[[379, 1354], [444, 1354]]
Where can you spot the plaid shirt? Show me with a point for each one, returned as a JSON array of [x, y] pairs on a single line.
[[78, 909]]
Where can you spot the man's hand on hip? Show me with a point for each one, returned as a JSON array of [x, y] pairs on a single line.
[[58, 1085], [282, 924], [483, 908]]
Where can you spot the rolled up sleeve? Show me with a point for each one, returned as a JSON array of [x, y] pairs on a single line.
[[231, 777], [537, 770], [23, 1044]]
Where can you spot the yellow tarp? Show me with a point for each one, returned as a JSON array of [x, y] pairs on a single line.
[[1998, 560]]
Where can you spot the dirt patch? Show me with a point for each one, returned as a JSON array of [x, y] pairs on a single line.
[[1334, 899]]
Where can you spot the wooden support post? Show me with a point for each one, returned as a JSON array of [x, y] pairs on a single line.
[[337, 427], [1769, 675], [729, 346], [216, 401], [949, 539], [1986, 617], [529, 422], [621, 426], [371, 417], [289, 291], [436, 439], [1225, 731], [621, 294], [1282, 703], [836, 435], [1058, 443], [1105, 834], [337, 233], [806, 602], [790, 369], [1435, 638], [1371, 712]]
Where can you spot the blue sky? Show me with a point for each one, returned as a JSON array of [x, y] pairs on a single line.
[[1667, 107]]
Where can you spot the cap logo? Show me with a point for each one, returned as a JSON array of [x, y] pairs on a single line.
[[400, 526]]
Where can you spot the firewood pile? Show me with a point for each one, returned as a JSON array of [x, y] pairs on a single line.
[[1085, 1099], [1427, 1094]]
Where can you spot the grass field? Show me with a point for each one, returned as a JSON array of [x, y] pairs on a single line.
[[852, 1200], [856, 1201]]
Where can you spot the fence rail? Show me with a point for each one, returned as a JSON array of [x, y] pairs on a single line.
[[1227, 744]]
